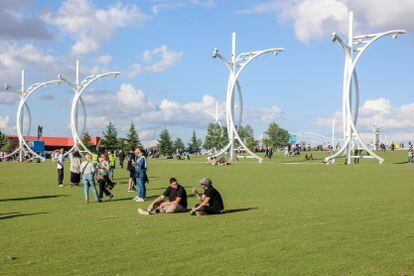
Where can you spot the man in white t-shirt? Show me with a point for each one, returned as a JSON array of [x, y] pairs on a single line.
[[60, 167]]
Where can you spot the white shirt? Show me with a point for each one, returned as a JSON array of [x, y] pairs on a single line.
[[75, 165], [87, 167], [60, 161]]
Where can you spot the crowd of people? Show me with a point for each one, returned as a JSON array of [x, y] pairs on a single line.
[[98, 171]]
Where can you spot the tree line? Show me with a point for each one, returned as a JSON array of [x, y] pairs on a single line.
[[216, 138]]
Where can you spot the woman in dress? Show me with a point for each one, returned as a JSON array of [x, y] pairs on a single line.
[[75, 169]]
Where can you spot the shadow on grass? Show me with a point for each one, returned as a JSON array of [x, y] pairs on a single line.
[[18, 214], [228, 211], [31, 197], [401, 163]]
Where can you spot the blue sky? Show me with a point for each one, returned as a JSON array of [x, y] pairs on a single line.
[[168, 78]]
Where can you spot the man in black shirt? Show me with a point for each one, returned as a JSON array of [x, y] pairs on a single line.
[[177, 200], [211, 201]]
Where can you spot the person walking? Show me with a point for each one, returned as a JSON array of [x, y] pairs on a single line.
[[60, 167], [140, 164], [121, 157], [112, 161], [75, 169], [103, 178], [88, 176]]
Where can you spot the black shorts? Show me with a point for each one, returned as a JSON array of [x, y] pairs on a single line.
[[210, 210], [131, 174]]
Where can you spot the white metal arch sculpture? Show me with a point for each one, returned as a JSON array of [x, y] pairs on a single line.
[[216, 116], [79, 88], [356, 44], [21, 93], [236, 66], [19, 122]]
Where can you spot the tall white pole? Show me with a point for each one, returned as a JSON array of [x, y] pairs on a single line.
[[234, 68], [77, 91], [22, 92], [349, 75], [333, 135]]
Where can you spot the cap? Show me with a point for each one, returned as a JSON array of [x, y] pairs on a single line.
[[205, 181]]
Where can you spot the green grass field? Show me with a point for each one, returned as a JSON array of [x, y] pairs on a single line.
[[284, 219]]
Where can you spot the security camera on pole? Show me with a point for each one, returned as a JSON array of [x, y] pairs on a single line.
[[79, 88], [236, 66], [356, 45]]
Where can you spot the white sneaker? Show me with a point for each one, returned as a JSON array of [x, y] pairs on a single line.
[[143, 212], [135, 198], [61, 185], [139, 199]]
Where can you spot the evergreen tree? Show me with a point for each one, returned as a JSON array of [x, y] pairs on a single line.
[[122, 144], [250, 143], [246, 131], [4, 142], [165, 145], [224, 139], [213, 137], [110, 137], [86, 140], [178, 144], [132, 138], [195, 144], [277, 137]]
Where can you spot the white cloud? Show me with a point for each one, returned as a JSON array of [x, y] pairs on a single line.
[[91, 26], [14, 58], [396, 122], [136, 99], [4, 122], [129, 104], [15, 25], [318, 18], [155, 61], [165, 4]]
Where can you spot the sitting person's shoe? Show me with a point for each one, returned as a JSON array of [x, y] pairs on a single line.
[[143, 212]]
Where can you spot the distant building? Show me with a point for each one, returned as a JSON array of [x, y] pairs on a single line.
[[52, 143]]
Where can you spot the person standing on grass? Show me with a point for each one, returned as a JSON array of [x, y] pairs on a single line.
[[112, 161], [60, 167], [88, 176], [121, 157], [103, 178], [140, 165], [177, 197], [211, 201], [75, 169], [130, 167]]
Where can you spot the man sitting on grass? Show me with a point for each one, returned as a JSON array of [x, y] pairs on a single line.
[[177, 200], [211, 201]]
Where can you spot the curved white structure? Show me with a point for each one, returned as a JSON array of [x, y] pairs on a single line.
[[30, 91], [356, 44], [21, 93], [236, 66], [216, 115], [79, 88]]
